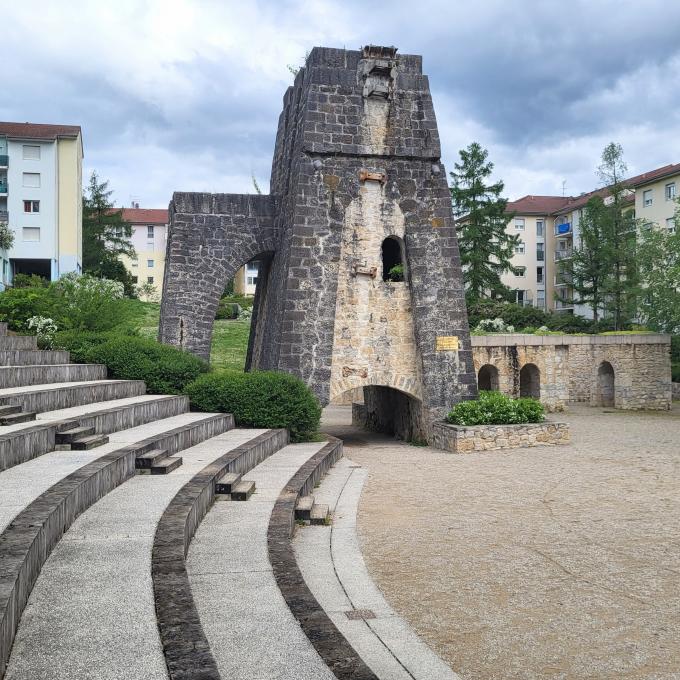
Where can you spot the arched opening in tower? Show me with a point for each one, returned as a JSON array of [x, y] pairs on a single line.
[[392, 259]]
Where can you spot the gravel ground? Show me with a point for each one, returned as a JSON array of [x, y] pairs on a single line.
[[547, 562]]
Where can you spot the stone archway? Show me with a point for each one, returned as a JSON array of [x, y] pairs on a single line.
[[605, 384], [390, 411], [487, 378], [530, 381]]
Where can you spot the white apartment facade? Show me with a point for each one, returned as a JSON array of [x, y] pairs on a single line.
[[41, 198]]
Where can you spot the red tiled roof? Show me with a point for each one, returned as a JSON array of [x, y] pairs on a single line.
[[38, 130], [653, 175], [146, 215], [537, 205]]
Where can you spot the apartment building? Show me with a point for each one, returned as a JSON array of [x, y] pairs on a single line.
[[544, 280], [245, 280], [149, 238], [533, 222], [41, 198]]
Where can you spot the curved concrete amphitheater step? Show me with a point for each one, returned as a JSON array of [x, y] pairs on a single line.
[[50, 397], [18, 342], [19, 417], [18, 376], [54, 489], [32, 357], [3, 328], [333, 567], [22, 442], [249, 628], [98, 580]]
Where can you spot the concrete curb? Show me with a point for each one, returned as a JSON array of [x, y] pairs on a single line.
[[29, 539], [330, 644], [21, 445], [185, 647]]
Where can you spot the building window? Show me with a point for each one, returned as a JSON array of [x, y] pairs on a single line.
[[648, 226], [540, 298], [519, 223], [519, 248], [31, 152], [670, 224], [149, 279], [135, 263], [539, 274], [119, 232], [31, 206], [149, 264], [31, 234], [540, 228], [670, 191], [520, 271], [31, 180], [647, 197], [540, 254], [252, 280], [149, 231]]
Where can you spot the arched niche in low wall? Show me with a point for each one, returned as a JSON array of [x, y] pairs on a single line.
[[530, 381]]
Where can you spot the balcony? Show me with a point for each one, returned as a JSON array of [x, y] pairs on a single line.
[[563, 254], [4, 216], [4, 160], [564, 304], [3, 187], [563, 229], [561, 281]]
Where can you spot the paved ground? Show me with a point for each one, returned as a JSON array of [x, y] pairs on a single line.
[[551, 562]]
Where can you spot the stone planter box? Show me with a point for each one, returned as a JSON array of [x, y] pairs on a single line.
[[461, 439]]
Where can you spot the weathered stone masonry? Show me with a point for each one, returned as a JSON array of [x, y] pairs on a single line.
[[624, 371], [357, 159]]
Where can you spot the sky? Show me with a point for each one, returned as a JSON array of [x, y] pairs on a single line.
[[184, 95]]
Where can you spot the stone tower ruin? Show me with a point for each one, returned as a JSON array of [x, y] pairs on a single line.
[[357, 188]]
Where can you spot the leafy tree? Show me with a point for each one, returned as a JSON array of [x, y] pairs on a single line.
[[620, 285], [590, 260], [486, 249], [659, 266], [106, 235]]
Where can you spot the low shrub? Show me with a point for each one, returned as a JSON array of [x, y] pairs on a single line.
[[259, 399], [494, 408], [245, 301], [18, 305], [81, 343], [228, 310], [164, 369]]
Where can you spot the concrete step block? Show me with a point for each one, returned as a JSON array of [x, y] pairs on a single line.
[[319, 514], [145, 461], [41, 374], [166, 466], [67, 436], [89, 442], [9, 408], [226, 483], [18, 342], [3, 328], [303, 507], [243, 490], [20, 417], [33, 357]]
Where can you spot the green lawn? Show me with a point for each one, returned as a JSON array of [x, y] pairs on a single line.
[[229, 342]]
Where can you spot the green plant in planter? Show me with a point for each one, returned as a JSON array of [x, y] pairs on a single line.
[[396, 273], [494, 408]]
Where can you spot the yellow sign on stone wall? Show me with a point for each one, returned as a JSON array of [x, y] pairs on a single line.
[[447, 343]]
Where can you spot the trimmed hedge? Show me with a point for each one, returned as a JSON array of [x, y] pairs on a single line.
[[494, 408], [164, 369], [260, 399]]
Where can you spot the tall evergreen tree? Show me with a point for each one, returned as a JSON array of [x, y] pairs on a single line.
[[106, 235], [486, 249], [621, 285], [590, 261]]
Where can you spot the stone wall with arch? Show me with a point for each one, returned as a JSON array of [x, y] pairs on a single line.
[[569, 367]]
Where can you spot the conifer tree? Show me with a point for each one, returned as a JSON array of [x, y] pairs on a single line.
[[106, 235], [486, 249]]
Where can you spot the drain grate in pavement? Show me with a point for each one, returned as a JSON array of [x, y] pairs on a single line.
[[360, 614]]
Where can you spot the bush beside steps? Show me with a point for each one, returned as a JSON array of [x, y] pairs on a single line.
[[263, 399]]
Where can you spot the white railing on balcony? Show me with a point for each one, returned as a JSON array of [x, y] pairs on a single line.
[[563, 254]]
